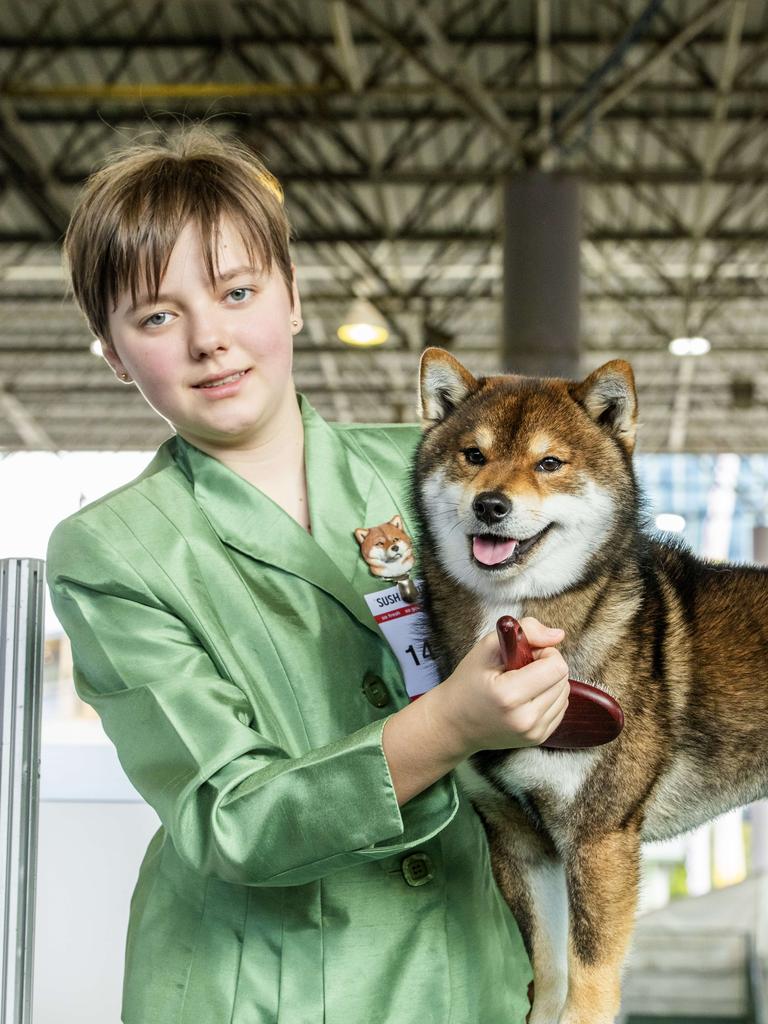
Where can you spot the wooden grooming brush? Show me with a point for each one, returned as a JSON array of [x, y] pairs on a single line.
[[592, 716]]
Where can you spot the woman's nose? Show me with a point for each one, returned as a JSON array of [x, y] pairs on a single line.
[[206, 335]]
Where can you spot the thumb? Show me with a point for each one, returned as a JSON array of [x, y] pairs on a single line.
[[488, 651], [539, 635]]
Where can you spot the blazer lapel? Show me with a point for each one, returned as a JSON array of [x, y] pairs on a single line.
[[343, 491], [346, 491]]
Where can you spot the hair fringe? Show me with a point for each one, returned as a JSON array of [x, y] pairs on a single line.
[[132, 209]]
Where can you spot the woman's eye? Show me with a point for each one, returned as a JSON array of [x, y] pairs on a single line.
[[550, 464], [474, 455], [153, 321], [240, 294]]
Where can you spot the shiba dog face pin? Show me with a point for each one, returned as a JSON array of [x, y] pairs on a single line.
[[387, 549], [520, 480]]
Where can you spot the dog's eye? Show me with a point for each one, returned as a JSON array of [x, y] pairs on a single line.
[[474, 455], [550, 464]]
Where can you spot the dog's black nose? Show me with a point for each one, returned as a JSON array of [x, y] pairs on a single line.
[[491, 507]]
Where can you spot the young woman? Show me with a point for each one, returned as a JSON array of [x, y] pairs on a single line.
[[316, 861]]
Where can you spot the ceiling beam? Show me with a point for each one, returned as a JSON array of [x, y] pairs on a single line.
[[581, 114], [30, 177], [702, 219], [47, 40], [23, 422], [330, 236], [594, 175], [472, 101]]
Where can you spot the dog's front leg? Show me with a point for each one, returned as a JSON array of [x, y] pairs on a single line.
[[602, 891], [532, 880]]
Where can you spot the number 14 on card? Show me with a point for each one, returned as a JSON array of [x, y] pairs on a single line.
[[425, 653]]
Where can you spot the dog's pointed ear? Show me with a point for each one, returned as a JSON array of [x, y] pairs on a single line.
[[443, 384], [609, 396]]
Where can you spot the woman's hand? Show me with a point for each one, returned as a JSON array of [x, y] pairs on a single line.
[[482, 707], [478, 707]]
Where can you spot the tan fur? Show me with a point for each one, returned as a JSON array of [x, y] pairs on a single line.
[[681, 643]]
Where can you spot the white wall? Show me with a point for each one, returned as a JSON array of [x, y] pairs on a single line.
[[89, 850], [88, 859]]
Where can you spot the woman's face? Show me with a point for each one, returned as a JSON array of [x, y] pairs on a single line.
[[195, 331]]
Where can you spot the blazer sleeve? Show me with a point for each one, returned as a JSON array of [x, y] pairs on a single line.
[[234, 804]]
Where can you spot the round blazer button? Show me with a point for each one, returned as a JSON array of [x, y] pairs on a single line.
[[417, 869], [375, 690]]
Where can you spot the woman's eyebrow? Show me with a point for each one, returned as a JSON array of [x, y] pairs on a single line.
[[247, 268], [148, 300]]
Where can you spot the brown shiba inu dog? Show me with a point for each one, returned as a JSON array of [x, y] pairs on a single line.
[[528, 505]]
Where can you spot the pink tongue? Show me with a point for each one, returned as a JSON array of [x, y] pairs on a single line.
[[490, 551]]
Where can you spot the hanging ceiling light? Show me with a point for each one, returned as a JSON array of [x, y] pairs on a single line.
[[689, 346], [363, 325]]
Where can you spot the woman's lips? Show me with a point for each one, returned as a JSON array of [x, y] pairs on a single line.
[[231, 387]]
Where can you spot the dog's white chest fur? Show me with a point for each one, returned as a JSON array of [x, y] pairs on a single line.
[[558, 775]]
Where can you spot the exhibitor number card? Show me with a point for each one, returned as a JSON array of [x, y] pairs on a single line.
[[404, 627]]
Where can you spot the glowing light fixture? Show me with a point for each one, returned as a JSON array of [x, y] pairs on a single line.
[[363, 325], [670, 522], [689, 346]]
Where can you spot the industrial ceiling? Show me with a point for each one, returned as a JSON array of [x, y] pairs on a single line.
[[392, 125]]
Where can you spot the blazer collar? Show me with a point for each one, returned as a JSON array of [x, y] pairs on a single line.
[[344, 492]]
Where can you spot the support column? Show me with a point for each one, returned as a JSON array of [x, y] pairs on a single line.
[[542, 235], [21, 658]]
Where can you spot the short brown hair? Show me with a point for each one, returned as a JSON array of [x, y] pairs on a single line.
[[131, 212]]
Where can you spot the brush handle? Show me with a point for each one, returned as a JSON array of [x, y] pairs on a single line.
[[592, 716]]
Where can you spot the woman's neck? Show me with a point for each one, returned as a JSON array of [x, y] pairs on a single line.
[[276, 463]]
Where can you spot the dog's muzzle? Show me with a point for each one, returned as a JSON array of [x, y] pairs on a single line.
[[491, 551]]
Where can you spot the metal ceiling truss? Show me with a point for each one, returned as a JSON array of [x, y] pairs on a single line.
[[390, 124]]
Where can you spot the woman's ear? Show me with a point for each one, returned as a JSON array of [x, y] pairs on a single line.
[[296, 320], [110, 355]]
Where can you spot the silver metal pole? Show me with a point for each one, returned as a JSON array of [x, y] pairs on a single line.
[[21, 661]]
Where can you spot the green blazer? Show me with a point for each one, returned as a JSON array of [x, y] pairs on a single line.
[[230, 656]]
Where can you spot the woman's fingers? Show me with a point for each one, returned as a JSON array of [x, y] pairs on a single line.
[[526, 684], [554, 717], [545, 712], [539, 635]]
